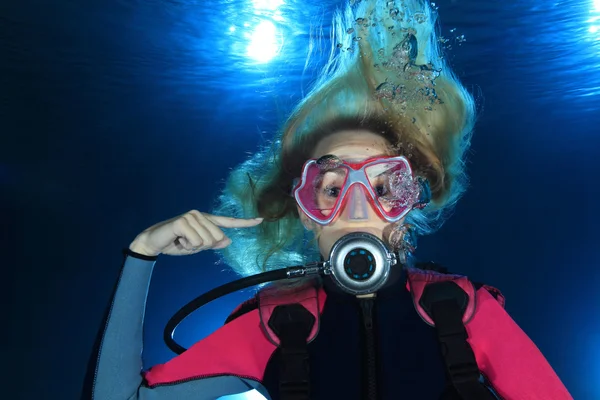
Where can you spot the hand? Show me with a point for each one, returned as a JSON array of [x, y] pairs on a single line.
[[189, 233]]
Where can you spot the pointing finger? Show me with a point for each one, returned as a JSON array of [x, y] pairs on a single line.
[[230, 222]]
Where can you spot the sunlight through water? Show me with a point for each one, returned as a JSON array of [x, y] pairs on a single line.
[[265, 42], [594, 19], [264, 39]]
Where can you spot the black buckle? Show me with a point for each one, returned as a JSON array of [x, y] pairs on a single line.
[[459, 357], [292, 323]]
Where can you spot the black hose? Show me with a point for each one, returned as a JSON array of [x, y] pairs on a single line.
[[215, 294]]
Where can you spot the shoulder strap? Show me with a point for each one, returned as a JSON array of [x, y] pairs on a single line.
[[447, 302], [292, 323], [290, 320]]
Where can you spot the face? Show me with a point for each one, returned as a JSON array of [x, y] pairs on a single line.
[[353, 146]]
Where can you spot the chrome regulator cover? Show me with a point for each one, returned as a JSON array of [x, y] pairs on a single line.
[[360, 263]]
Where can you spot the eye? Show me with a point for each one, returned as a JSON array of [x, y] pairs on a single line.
[[329, 184], [381, 190], [332, 191]]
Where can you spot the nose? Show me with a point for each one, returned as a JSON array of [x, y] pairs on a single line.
[[357, 206]]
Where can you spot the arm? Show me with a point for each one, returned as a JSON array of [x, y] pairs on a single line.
[[115, 369], [508, 357], [116, 365]]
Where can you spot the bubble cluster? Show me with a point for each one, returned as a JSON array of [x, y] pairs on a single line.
[[404, 190], [402, 64], [456, 39], [402, 78], [328, 162], [424, 194], [404, 238]]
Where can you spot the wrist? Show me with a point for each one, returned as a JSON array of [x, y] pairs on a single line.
[[137, 246]]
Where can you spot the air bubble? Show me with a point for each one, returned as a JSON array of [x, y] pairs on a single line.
[[410, 45], [420, 18]]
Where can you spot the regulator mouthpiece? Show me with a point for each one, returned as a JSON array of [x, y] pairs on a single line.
[[360, 263]]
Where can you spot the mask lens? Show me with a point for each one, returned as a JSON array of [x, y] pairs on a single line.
[[395, 189], [320, 193]]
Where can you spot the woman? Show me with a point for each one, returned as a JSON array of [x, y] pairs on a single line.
[[376, 147]]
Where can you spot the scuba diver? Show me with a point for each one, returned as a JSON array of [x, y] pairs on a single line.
[[371, 158]]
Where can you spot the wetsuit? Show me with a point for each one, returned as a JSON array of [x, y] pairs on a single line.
[[408, 362]]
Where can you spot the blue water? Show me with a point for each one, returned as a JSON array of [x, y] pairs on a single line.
[[119, 114]]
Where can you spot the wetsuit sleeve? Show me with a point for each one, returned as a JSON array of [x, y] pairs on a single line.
[[511, 361], [115, 370]]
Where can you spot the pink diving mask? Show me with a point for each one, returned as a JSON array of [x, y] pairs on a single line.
[[329, 185]]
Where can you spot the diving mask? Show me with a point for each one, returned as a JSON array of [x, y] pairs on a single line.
[[329, 185]]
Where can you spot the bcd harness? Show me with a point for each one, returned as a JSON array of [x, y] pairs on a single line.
[[486, 354], [444, 301]]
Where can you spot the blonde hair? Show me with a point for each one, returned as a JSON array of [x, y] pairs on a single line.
[[385, 74]]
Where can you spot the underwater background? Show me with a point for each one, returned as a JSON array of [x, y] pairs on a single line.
[[117, 114]]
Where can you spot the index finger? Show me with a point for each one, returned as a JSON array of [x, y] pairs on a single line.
[[230, 222]]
